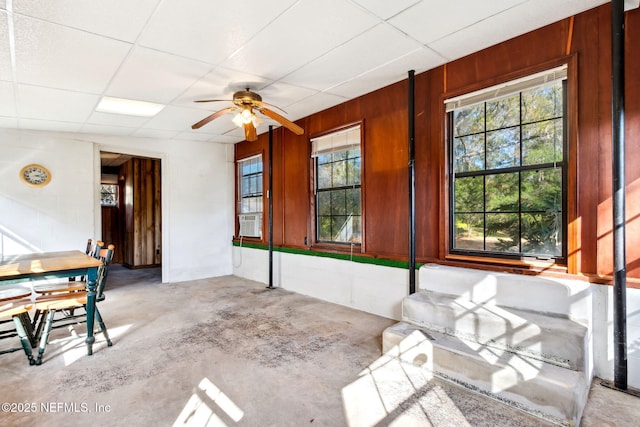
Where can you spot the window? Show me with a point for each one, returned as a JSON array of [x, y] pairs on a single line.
[[109, 195], [337, 188], [250, 185], [508, 168], [250, 196]]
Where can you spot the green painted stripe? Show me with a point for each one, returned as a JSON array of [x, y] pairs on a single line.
[[345, 257]]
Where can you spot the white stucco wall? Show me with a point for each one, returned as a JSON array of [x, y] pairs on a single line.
[[380, 290], [197, 197]]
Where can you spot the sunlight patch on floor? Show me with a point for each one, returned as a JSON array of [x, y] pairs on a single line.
[[74, 347], [396, 389], [200, 409]]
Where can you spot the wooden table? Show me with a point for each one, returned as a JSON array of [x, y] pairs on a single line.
[[53, 265]]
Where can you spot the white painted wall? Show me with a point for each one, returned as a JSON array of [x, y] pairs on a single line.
[[380, 290], [197, 197]]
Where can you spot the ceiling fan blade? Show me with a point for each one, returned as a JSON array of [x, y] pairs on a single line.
[[213, 100], [264, 104], [284, 122], [250, 133], [211, 117]]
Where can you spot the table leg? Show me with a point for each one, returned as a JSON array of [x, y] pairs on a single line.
[[92, 275]]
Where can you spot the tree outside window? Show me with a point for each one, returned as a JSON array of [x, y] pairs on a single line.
[[508, 168]]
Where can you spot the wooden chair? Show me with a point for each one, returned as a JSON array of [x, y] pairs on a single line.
[[15, 304], [97, 251], [70, 301]]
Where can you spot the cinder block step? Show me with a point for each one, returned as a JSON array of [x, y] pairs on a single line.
[[548, 391], [550, 338]]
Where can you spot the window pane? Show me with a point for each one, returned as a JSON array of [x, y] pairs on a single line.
[[324, 175], [469, 195], [468, 120], [353, 201], [542, 142], [109, 195], [542, 234], [339, 155], [353, 171], [469, 153], [324, 228], [469, 232], [503, 112], [324, 158], [338, 202], [542, 103], [502, 192], [356, 236], [503, 232], [341, 228], [503, 148], [324, 203], [339, 173], [542, 190]]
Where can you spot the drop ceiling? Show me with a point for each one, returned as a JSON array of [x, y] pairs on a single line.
[[58, 58]]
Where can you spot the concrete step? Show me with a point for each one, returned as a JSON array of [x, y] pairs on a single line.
[[550, 338], [550, 392]]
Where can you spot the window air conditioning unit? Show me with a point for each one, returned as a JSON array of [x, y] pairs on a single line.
[[250, 225]]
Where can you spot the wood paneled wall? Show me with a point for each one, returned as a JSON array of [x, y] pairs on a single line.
[[582, 41], [142, 213], [112, 231]]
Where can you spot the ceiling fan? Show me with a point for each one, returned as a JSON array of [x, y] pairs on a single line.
[[246, 103]]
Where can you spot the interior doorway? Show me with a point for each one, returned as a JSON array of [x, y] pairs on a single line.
[[131, 208]]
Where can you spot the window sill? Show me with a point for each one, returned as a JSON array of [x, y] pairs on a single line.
[[537, 266]]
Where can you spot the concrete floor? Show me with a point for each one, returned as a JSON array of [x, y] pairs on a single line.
[[227, 351]]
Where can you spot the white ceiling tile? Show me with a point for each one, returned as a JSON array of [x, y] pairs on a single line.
[[55, 104], [385, 9], [49, 125], [119, 19], [7, 100], [281, 94], [8, 122], [51, 55], [175, 118], [419, 60], [238, 133], [155, 133], [5, 56], [207, 30], [313, 104], [194, 136], [303, 33], [356, 57], [108, 130], [225, 139], [149, 75], [432, 19]]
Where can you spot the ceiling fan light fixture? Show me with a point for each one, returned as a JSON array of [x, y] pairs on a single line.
[[244, 117]]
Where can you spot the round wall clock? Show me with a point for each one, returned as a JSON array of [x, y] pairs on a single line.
[[35, 175]]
